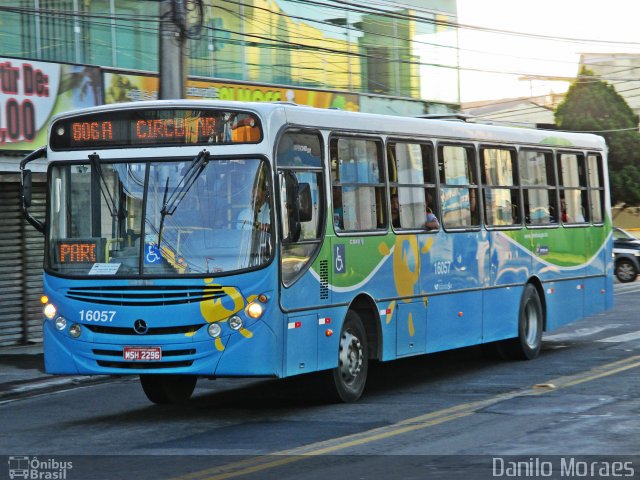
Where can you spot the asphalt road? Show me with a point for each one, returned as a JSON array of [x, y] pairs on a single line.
[[574, 410]]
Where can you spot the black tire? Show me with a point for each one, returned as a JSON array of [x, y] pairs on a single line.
[[348, 379], [166, 389], [528, 343], [626, 271]]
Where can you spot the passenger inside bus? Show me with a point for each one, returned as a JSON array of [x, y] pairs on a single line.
[[338, 212], [395, 211], [573, 214], [431, 221]]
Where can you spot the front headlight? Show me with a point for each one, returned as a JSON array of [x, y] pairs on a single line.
[[61, 323], [50, 311], [75, 330], [235, 322], [214, 330], [254, 310]]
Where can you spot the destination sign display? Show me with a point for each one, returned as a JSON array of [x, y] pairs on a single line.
[[155, 127], [72, 251]]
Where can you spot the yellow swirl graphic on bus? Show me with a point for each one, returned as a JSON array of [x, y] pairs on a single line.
[[214, 310], [406, 265], [406, 271]]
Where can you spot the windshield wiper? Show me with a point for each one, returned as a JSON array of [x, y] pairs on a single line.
[[104, 186], [169, 205]]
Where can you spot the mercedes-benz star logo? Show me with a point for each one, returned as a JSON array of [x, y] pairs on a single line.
[[140, 326]]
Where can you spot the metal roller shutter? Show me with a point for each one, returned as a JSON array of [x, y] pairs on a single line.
[[21, 253], [11, 326], [33, 254]]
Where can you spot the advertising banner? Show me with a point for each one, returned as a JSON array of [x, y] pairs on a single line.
[[126, 87], [122, 87], [31, 93]]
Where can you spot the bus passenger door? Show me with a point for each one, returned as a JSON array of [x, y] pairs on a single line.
[[303, 269], [598, 293], [595, 283], [455, 317], [509, 267]]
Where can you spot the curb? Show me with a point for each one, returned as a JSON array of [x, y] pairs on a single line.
[[28, 388]]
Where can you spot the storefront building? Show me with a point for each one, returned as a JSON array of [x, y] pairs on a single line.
[[59, 55]]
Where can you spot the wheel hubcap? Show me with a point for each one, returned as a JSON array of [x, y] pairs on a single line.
[[350, 357], [626, 271], [531, 326]]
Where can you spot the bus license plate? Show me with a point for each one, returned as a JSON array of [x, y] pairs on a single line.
[[142, 354]]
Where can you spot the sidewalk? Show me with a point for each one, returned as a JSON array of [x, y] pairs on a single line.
[[22, 373]]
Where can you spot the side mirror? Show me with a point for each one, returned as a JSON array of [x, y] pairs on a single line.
[[26, 189], [290, 211], [305, 204]]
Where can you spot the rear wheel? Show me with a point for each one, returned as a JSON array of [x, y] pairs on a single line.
[[626, 271], [350, 376], [527, 345], [165, 389]]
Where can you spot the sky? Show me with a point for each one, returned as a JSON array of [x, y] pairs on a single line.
[[599, 20]]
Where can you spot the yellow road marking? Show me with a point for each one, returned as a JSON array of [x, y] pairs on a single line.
[[260, 463]]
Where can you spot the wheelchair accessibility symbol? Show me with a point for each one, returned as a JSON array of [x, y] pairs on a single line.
[[339, 258], [152, 253]]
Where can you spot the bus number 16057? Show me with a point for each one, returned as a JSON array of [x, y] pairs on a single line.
[[441, 267], [97, 315]]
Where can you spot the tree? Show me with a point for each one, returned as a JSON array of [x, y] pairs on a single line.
[[592, 105]]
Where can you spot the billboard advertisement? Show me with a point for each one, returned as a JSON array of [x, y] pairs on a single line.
[[32, 92], [124, 87]]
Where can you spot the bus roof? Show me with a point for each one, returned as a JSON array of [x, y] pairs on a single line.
[[277, 115], [440, 128]]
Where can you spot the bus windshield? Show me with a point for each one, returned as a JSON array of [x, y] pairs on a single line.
[[157, 218]]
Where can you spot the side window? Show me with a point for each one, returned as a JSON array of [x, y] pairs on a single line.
[[413, 186], [357, 185], [301, 192], [596, 187], [459, 186], [501, 190], [299, 150], [538, 182], [574, 205]]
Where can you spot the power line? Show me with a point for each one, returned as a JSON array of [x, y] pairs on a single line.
[[73, 14], [454, 24], [501, 113], [568, 79], [354, 8], [128, 22], [414, 41]]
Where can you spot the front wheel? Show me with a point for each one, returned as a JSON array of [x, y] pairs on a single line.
[[626, 271], [165, 389], [350, 376], [528, 343]]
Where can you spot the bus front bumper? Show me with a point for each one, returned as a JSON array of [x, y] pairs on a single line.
[[240, 354]]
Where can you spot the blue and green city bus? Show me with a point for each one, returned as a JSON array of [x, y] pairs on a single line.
[[213, 239]]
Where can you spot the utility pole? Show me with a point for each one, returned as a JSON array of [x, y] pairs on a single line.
[[173, 63]]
